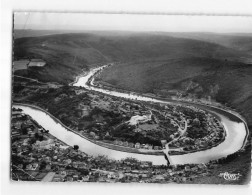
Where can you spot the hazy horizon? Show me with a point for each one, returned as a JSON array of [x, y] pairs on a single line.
[[132, 23], [128, 31]]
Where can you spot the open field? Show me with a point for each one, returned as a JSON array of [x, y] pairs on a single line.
[[20, 65]]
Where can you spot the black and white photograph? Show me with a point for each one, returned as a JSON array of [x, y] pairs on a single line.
[[126, 97], [131, 98]]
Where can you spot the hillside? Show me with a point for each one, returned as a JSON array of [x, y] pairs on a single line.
[[20, 33], [227, 82], [239, 41], [67, 54], [149, 63]]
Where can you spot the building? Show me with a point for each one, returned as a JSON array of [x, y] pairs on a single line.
[[156, 148], [48, 167], [131, 145], [146, 146], [15, 133], [84, 109], [137, 145], [75, 177], [126, 144], [17, 115], [116, 142], [69, 178], [46, 144], [92, 134], [57, 178], [163, 142], [85, 178]]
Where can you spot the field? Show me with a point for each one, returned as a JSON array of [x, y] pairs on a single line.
[[20, 64]]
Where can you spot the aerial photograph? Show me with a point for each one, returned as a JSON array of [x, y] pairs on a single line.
[[131, 98]]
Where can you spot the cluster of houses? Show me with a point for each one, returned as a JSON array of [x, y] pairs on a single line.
[[22, 125], [50, 159], [140, 116], [137, 145], [215, 133]]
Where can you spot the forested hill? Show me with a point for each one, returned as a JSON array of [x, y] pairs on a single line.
[[149, 62], [67, 54]]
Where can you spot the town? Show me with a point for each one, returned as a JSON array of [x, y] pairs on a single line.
[[38, 156]]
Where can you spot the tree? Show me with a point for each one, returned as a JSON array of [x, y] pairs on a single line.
[[42, 165], [84, 171], [32, 141], [76, 147], [24, 131], [41, 138]]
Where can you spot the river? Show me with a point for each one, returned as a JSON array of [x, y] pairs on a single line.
[[236, 132]]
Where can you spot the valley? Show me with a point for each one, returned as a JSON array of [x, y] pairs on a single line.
[[159, 94]]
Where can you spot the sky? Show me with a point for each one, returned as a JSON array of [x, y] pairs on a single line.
[[132, 22]]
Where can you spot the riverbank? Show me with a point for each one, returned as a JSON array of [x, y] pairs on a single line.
[[89, 84], [210, 108], [48, 122], [119, 147], [231, 120], [232, 115], [235, 136], [100, 143]]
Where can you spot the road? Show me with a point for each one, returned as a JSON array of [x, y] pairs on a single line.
[[48, 177]]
